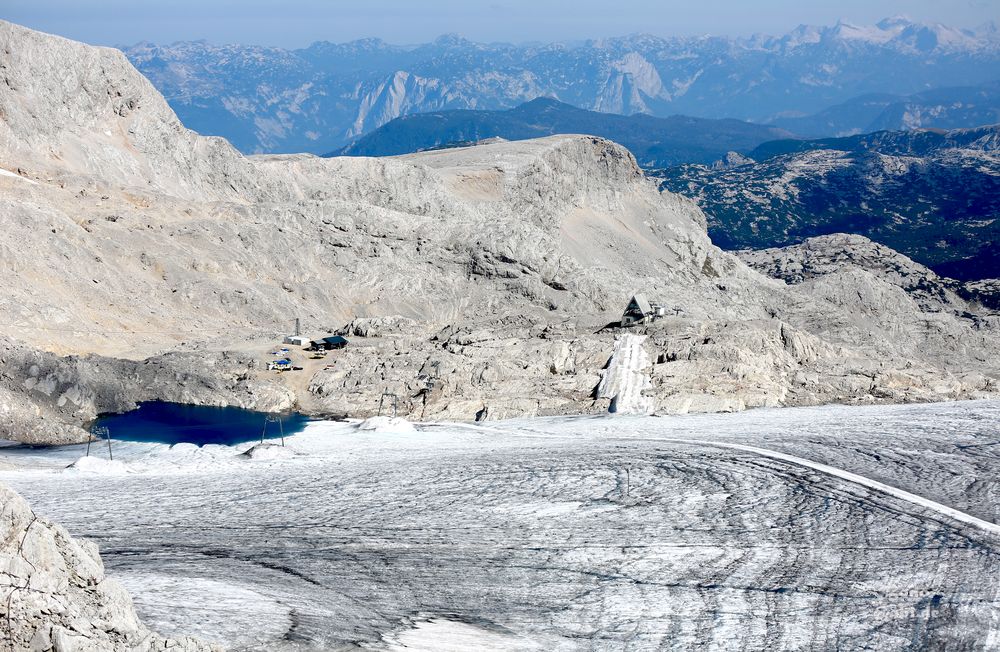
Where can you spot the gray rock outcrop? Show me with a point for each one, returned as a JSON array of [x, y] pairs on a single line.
[[56, 597], [49, 399]]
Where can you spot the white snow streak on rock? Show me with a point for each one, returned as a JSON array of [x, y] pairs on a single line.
[[627, 376], [8, 173]]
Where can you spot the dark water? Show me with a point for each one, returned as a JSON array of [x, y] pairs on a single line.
[[177, 423]]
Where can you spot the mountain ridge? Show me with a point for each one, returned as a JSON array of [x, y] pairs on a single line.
[[655, 142], [931, 195], [946, 107], [319, 98], [916, 142]]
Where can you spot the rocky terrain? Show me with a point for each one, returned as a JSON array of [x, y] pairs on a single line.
[[474, 283], [318, 98], [57, 597], [934, 196]]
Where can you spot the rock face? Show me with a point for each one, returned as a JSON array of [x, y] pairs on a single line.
[[57, 597], [48, 399], [473, 283]]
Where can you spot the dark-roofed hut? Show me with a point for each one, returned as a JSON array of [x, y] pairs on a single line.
[[640, 311], [328, 343]]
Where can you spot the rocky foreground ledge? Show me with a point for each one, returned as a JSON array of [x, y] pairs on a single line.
[[56, 597]]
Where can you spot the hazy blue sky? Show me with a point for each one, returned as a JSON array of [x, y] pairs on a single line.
[[299, 22]]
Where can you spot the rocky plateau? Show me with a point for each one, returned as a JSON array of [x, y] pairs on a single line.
[[142, 261]]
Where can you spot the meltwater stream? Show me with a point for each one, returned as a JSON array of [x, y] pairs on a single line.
[[177, 423]]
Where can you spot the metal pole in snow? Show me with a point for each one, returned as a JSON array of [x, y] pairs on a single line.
[[273, 418], [96, 433]]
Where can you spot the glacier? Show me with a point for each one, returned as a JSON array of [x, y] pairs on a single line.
[[796, 528]]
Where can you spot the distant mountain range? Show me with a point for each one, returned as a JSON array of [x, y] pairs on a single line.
[[325, 96], [655, 142], [941, 108], [919, 142], [934, 196]]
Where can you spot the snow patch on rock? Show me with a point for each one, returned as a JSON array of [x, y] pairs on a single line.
[[8, 173], [627, 377]]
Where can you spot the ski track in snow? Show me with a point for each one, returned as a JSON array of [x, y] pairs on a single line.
[[806, 529]]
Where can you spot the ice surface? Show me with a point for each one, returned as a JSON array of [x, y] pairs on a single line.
[[443, 635], [207, 609], [818, 528], [269, 451], [95, 464], [386, 424]]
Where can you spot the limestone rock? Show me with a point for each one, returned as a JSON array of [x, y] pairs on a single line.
[[475, 283], [57, 595]]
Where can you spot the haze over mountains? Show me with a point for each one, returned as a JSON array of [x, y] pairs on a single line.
[[939, 108], [316, 99]]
